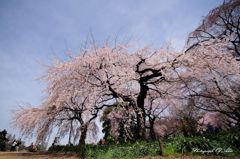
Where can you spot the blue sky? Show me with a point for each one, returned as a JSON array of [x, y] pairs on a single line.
[[32, 32]]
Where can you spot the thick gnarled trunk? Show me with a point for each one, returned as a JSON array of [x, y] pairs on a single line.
[[141, 131], [82, 144]]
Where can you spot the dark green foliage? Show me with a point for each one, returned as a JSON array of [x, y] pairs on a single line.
[[125, 150], [230, 138], [3, 140], [67, 148], [223, 143], [188, 119], [188, 125], [121, 132], [123, 135], [106, 128], [106, 123], [183, 144]]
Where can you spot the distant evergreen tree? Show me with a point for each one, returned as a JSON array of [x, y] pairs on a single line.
[[3, 140]]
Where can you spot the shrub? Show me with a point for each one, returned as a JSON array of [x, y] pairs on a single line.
[[124, 150], [201, 145]]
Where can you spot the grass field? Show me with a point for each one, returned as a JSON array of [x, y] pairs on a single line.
[[15, 155]]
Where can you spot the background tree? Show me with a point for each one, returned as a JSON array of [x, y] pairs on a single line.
[[211, 42], [214, 74], [155, 111], [3, 140], [187, 117], [221, 22]]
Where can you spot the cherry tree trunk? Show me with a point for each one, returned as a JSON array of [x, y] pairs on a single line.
[[82, 144], [152, 132], [141, 125], [161, 152]]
